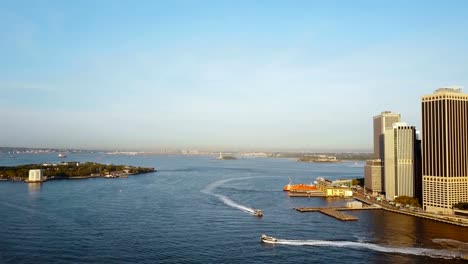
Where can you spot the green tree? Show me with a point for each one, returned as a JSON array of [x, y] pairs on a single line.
[[406, 200]]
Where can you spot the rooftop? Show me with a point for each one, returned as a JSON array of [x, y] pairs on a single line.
[[446, 93], [450, 89]]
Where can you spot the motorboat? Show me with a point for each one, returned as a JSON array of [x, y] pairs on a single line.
[[268, 239], [258, 212]]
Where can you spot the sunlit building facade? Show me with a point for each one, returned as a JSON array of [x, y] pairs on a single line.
[[399, 161], [373, 176], [383, 123], [445, 149], [36, 175]]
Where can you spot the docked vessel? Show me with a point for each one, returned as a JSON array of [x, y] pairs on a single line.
[[258, 212], [299, 187], [268, 239]]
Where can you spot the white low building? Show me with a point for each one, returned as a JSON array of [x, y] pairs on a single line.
[[36, 175], [354, 204]]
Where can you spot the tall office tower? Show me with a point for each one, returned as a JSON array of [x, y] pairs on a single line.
[[374, 169], [382, 123], [399, 161], [445, 149], [418, 168]]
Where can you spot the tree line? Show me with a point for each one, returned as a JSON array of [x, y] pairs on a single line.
[[69, 169]]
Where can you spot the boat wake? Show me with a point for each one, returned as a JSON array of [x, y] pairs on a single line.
[[233, 204], [226, 200], [433, 253]]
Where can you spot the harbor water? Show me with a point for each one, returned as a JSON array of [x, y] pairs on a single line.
[[196, 209]]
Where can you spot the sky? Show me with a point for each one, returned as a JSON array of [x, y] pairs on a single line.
[[245, 75]]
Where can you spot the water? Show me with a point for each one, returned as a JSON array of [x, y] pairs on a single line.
[[196, 209]]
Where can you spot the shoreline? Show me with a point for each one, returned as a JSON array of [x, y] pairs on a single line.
[[448, 219], [74, 178]]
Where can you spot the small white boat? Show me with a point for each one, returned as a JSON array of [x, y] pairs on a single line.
[[268, 239], [61, 155], [258, 212]]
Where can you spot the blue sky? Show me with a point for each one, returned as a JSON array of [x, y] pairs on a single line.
[[148, 75]]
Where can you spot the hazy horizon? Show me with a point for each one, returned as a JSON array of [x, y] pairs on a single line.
[[214, 150], [152, 75]]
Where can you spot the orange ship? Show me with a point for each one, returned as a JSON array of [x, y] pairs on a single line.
[[299, 187]]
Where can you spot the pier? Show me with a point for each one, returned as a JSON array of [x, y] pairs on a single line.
[[335, 212], [338, 215], [373, 205]]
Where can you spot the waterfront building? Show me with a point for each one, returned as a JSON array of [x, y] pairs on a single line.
[[383, 123], [354, 204], [445, 149], [333, 190], [36, 175], [374, 169], [342, 183], [373, 176], [399, 161], [418, 168]]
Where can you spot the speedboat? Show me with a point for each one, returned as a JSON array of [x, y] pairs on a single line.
[[268, 239], [258, 212]]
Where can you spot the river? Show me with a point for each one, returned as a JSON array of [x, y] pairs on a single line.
[[196, 209]]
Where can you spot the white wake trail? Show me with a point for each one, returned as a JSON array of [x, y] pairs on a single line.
[[233, 204], [434, 253], [226, 200]]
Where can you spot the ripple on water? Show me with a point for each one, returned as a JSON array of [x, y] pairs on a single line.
[[165, 217]]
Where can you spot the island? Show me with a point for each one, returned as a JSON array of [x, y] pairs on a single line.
[[318, 158], [71, 170], [321, 156]]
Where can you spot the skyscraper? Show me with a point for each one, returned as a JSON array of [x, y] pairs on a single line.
[[445, 149], [418, 168], [383, 123], [399, 161], [374, 169]]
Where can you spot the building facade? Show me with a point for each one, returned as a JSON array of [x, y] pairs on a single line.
[[374, 169], [373, 176], [36, 176], [400, 161], [418, 169], [383, 123], [445, 149]]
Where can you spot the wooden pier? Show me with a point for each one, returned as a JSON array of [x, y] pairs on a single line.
[[338, 215], [336, 211]]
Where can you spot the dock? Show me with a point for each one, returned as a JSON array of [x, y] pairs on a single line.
[[335, 212], [338, 215]]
